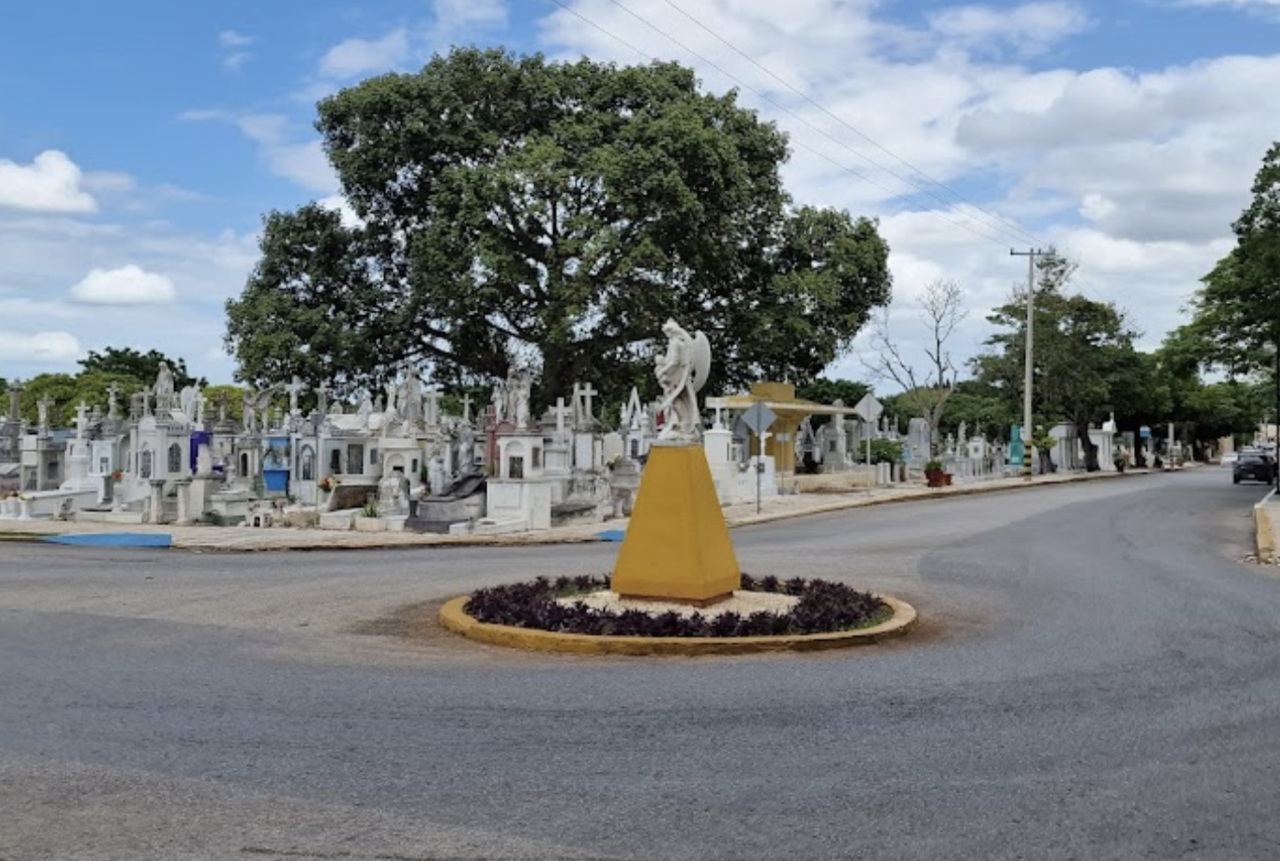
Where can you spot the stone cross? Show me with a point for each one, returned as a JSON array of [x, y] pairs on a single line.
[[82, 419], [295, 386], [582, 400], [466, 407], [113, 391], [561, 412]]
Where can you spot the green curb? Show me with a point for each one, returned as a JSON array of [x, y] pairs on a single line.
[[454, 619]]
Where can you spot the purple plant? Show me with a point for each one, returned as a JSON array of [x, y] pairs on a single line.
[[823, 607]]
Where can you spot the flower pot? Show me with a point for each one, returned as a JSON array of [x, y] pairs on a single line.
[[935, 478]]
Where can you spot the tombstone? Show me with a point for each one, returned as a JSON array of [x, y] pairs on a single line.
[[612, 448], [918, 439]]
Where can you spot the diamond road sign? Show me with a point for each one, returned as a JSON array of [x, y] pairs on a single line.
[[759, 418], [869, 409]]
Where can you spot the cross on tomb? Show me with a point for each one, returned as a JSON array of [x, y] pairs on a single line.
[[295, 386], [561, 412], [466, 407], [82, 419], [586, 393]]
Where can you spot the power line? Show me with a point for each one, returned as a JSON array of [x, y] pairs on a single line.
[[999, 221], [971, 224], [990, 237]]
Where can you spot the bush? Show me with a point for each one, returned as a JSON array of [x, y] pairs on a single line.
[[882, 451], [824, 607], [934, 465]]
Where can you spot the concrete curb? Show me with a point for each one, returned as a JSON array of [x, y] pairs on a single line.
[[454, 619], [1264, 529]]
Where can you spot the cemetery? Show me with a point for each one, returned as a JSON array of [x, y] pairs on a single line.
[[395, 461]]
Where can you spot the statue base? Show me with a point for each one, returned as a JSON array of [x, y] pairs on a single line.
[[677, 545]]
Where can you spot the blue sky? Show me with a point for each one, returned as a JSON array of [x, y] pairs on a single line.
[[141, 142]]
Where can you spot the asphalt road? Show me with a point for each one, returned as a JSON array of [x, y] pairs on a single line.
[[1097, 676]]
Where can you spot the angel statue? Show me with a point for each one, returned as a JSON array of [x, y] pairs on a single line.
[[682, 372]]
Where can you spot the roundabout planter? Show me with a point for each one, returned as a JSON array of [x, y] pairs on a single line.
[[453, 616]]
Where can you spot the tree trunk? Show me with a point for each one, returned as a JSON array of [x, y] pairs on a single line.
[[1090, 448]]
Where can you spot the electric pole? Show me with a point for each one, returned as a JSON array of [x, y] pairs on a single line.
[[1026, 383]]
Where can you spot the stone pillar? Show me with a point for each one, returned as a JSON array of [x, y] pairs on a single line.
[[184, 502], [157, 500]]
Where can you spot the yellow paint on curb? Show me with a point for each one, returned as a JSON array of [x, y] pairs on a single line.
[[455, 619]]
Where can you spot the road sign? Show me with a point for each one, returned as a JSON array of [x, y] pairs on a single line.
[[759, 418], [869, 409]]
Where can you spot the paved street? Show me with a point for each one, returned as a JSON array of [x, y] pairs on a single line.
[[1096, 676]]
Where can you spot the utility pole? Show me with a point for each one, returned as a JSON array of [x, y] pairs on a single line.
[[1026, 383]]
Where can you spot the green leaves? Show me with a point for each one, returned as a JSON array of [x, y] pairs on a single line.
[[1083, 350], [515, 206]]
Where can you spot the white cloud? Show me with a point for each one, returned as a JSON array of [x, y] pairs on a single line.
[[355, 57], [52, 183], [234, 45], [51, 347], [1248, 5], [303, 162], [1030, 29], [233, 39], [453, 16], [339, 204], [128, 285]]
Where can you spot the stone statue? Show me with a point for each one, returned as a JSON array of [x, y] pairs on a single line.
[[466, 450], [519, 392], [163, 388], [499, 402], [188, 402], [409, 396], [682, 372], [256, 404]]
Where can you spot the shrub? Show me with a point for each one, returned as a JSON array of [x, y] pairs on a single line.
[[823, 607]]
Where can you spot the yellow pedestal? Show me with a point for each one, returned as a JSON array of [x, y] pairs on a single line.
[[677, 546]]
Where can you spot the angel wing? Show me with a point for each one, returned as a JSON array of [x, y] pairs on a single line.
[[701, 362]]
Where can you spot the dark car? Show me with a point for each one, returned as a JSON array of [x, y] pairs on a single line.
[[1254, 466]]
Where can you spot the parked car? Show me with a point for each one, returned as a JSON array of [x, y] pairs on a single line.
[[1254, 466], [1229, 458]]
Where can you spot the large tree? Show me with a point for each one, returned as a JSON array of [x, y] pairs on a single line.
[[512, 208], [1236, 313], [1083, 355]]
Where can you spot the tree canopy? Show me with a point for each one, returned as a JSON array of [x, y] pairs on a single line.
[[129, 369], [128, 362], [513, 208]]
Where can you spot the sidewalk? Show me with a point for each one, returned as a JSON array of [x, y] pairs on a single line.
[[242, 538]]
